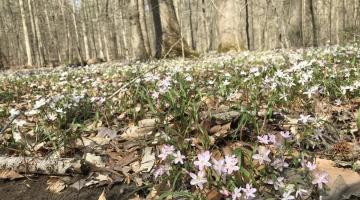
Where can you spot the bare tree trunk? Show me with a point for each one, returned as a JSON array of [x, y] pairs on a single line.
[[247, 25], [124, 29], [98, 25], [26, 34], [144, 30], [67, 32], [193, 44], [171, 32], [330, 21], [204, 24], [51, 36], [33, 30], [313, 23], [157, 26], [42, 60], [137, 41], [85, 32], [77, 34]]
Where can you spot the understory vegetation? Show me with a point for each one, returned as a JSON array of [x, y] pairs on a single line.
[[232, 126]]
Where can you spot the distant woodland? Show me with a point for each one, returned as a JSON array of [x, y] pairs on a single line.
[[52, 32]]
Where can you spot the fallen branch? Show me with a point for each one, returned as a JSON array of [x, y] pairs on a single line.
[[30, 165]]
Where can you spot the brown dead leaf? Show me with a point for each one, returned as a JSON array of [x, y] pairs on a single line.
[[215, 129], [339, 178], [9, 175], [213, 195], [106, 133], [148, 160], [55, 185], [128, 159], [94, 160], [134, 132]]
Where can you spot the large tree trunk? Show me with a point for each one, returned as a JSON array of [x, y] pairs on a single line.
[[227, 26], [137, 41], [26, 34], [170, 43]]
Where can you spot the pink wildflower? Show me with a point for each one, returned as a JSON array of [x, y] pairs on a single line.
[[263, 155], [203, 160], [198, 180]]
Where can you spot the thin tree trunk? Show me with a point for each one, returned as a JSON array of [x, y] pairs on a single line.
[[101, 49], [67, 32], [313, 23], [85, 32], [77, 34], [144, 30], [193, 44], [330, 21], [26, 34], [157, 26], [247, 25], [34, 34], [42, 60]]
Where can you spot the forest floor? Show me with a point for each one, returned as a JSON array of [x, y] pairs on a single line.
[[280, 124]]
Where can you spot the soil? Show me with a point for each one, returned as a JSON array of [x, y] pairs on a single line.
[[35, 189]]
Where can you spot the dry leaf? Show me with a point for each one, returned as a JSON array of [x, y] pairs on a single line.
[[147, 122], [9, 175], [148, 160], [94, 160], [213, 195], [102, 196], [55, 185], [339, 178], [78, 185], [134, 132], [106, 133]]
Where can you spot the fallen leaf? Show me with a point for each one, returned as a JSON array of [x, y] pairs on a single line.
[[94, 160], [102, 177], [78, 185], [213, 195], [148, 122], [339, 178], [9, 175], [55, 185], [102, 196], [135, 132], [148, 160], [106, 133]]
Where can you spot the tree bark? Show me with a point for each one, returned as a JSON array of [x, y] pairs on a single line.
[[98, 26], [247, 25], [143, 25], [78, 48], [313, 23], [85, 32], [26, 34], [137, 40], [157, 26]]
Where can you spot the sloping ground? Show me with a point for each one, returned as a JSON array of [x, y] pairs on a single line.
[[237, 125]]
